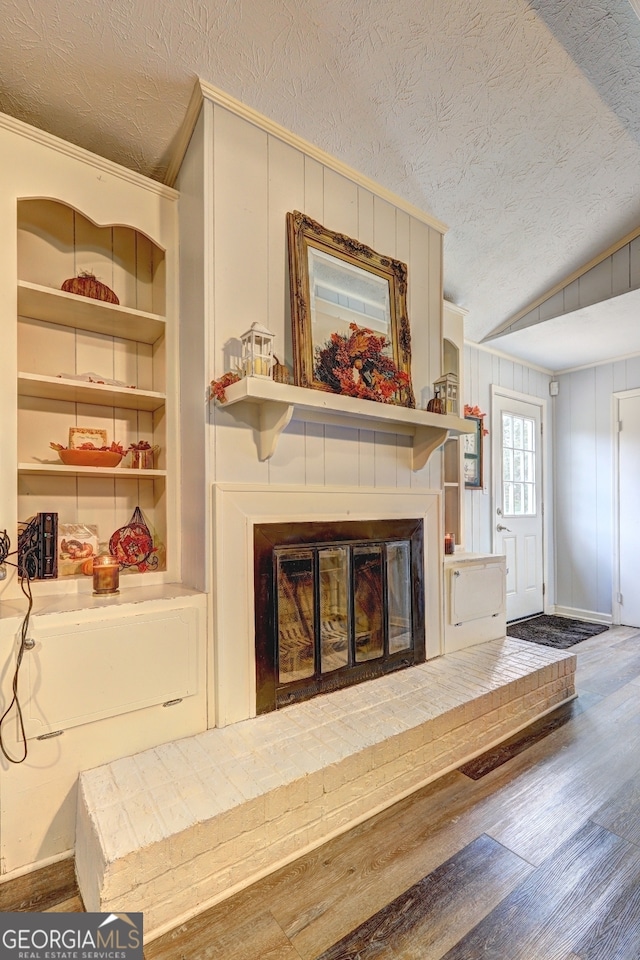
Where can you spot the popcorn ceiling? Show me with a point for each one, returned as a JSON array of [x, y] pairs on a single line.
[[516, 123]]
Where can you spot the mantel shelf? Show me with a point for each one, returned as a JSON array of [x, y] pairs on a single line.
[[279, 402]]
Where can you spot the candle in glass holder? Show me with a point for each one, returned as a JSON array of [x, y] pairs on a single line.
[[106, 576], [449, 543]]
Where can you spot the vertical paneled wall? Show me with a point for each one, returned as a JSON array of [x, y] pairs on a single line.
[[256, 179], [481, 370], [584, 450]]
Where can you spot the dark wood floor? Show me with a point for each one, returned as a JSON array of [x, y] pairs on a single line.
[[531, 852]]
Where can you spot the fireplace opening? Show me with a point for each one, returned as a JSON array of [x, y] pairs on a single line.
[[335, 604]]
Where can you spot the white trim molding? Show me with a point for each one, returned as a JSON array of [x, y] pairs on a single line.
[[205, 91], [85, 156], [237, 507]]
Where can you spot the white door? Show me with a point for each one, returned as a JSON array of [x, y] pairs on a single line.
[[517, 513], [628, 599]]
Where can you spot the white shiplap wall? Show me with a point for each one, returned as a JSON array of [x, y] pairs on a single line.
[[257, 179], [482, 369], [245, 178], [584, 450]]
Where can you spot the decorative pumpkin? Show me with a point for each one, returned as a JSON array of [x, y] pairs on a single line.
[[88, 285]]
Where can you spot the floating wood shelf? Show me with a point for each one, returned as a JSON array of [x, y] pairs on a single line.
[[280, 402], [80, 391], [84, 313]]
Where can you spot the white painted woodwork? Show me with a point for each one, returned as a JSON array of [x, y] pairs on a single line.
[[114, 661], [453, 362], [627, 432], [60, 388], [482, 370], [88, 677], [278, 403], [83, 313], [61, 335], [474, 600], [102, 668], [237, 508], [584, 451], [238, 180], [519, 537]]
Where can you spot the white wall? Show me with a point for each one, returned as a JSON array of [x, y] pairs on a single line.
[[584, 451], [481, 370]]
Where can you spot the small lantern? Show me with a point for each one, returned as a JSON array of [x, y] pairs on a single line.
[[257, 351], [446, 389]]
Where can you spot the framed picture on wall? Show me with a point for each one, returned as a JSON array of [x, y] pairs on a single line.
[[472, 449]]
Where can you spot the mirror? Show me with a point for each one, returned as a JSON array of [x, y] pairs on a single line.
[[350, 327]]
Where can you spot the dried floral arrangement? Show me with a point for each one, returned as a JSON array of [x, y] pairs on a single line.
[[355, 365], [111, 448], [476, 412], [219, 386]]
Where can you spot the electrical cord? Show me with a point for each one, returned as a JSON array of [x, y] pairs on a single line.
[[25, 586]]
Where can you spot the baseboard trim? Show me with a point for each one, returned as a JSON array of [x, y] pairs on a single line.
[[591, 615], [33, 867]]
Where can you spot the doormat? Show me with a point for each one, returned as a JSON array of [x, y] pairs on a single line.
[[558, 632]]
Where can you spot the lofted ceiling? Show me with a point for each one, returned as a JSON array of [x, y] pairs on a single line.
[[516, 123]]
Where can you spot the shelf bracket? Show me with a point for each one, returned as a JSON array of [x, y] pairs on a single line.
[[425, 441], [274, 417]]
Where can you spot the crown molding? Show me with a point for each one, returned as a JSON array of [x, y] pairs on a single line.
[[508, 356], [84, 156], [205, 91]]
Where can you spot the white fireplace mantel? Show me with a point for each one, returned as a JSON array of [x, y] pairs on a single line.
[[279, 402]]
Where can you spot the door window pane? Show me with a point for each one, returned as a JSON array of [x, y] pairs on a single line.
[[518, 466]]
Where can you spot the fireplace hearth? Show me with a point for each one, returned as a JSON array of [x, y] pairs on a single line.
[[335, 604]]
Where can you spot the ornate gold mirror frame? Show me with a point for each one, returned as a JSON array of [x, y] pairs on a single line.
[[350, 328]]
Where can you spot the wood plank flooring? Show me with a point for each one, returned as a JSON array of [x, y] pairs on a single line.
[[531, 852]]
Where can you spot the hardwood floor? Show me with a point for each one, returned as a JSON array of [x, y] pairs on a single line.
[[531, 852]]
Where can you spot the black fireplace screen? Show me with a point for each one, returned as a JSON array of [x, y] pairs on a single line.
[[335, 604]]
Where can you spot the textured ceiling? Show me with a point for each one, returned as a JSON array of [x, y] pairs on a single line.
[[516, 123]]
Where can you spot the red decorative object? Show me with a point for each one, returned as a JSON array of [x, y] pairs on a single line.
[[218, 386], [132, 545], [355, 365], [88, 455], [476, 412], [87, 285], [435, 405]]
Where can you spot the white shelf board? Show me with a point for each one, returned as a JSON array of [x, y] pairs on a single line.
[[279, 402], [79, 391], [85, 313], [61, 469]]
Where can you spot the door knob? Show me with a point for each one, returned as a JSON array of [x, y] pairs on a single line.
[[500, 528]]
